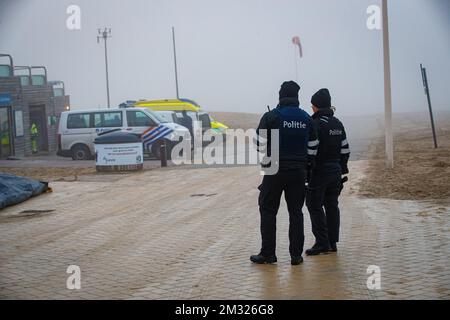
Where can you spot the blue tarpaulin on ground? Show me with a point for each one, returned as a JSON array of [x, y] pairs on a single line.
[[15, 189]]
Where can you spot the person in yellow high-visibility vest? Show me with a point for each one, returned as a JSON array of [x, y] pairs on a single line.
[[34, 137], [4, 142]]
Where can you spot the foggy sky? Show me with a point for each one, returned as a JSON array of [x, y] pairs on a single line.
[[233, 55]]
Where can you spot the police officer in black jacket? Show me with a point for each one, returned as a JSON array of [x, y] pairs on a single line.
[[325, 183], [297, 147]]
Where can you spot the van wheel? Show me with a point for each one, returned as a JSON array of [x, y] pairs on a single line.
[[81, 152]]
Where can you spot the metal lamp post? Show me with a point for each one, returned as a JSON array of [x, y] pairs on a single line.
[[175, 62], [105, 34], [387, 90], [430, 109]]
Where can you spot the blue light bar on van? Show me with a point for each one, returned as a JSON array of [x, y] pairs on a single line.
[[190, 101], [127, 104]]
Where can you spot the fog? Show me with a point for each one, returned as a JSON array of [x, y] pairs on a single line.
[[233, 55]]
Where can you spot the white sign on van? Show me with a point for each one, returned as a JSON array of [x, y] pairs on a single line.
[[119, 154]]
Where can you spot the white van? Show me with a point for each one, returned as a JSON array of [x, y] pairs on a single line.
[[187, 119], [78, 130]]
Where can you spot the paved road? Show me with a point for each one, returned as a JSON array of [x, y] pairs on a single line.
[[188, 234]]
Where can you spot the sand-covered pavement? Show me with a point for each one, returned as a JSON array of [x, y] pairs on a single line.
[[421, 172], [188, 233]]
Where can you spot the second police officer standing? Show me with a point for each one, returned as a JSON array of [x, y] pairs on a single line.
[[325, 185]]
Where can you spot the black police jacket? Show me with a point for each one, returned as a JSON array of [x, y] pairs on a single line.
[[333, 144], [297, 134]]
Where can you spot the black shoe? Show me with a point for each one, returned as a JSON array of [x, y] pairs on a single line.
[[260, 259], [333, 247], [295, 261], [317, 249]]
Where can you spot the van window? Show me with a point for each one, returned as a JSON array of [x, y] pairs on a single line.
[[78, 121], [183, 119], [166, 116], [108, 119], [158, 116], [177, 118], [205, 120], [139, 119]]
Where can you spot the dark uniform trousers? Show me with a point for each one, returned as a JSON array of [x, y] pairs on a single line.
[[322, 193], [292, 182]]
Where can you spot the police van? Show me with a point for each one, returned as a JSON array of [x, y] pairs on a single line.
[[184, 112], [78, 130]]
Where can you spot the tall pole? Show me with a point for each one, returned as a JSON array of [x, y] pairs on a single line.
[[105, 34], [427, 92], [296, 63], [175, 61], [107, 73], [387, 90]]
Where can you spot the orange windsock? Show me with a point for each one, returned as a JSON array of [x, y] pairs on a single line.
[[296, 41]]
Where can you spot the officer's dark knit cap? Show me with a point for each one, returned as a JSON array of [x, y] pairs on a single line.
[[321, 99], [289, 89]]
